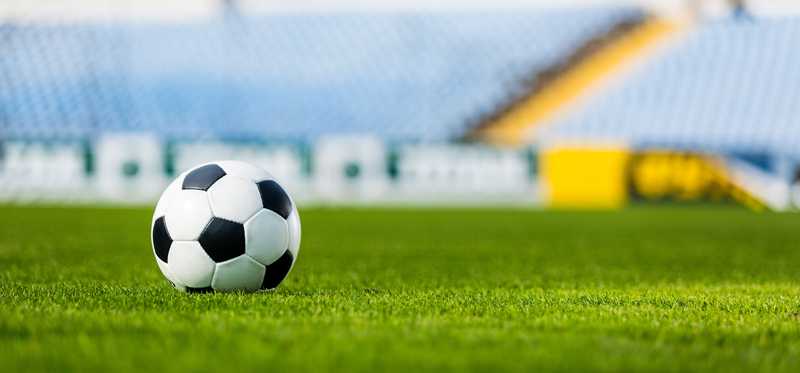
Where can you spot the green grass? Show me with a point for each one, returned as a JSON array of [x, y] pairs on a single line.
[[658, 289]]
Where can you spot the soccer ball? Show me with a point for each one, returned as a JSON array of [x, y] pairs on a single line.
[[225, 226]]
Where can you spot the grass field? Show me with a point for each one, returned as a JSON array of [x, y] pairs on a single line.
[[657, 289]]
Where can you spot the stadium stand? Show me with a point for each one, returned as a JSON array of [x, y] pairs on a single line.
[[409, 76], [729, 87], [562, 85]]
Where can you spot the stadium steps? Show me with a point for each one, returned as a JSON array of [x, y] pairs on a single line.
[[564, 83]]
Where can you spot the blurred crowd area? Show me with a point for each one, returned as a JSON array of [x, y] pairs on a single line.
[[593, 103]]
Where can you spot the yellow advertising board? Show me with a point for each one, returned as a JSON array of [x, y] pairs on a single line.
[[609, 177]]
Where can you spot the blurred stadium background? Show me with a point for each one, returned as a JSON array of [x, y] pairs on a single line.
[[577, 104]]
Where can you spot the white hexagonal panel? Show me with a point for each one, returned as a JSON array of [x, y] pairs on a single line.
[[266, 237], [245, 170], [241, 273], [173, 188], [190, 265], [164, 269], [234, 198], [294, 231], [187, 213]]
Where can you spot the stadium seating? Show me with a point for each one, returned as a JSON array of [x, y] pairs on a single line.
[[399, 76], [729, 86]]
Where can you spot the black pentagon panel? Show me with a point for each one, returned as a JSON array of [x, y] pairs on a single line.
[[161, 239], [222, 239], [199, 290], [274, 198], [203, 178], [277, 271]]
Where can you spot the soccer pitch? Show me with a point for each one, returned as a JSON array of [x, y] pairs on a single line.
[[657, 289]]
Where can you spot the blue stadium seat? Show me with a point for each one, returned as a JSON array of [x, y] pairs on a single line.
[[730, 86], [400, 76]]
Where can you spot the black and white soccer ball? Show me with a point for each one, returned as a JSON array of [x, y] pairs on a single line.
[[225, 226]]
